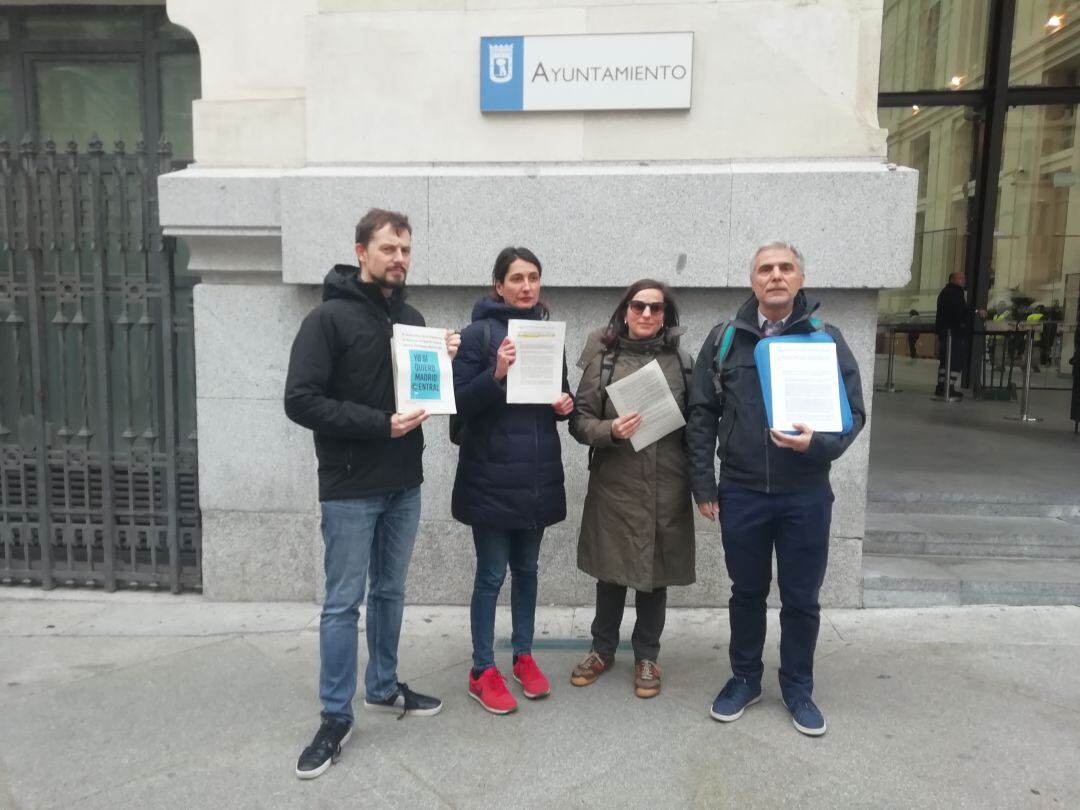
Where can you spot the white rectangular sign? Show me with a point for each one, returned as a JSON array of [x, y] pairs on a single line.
[[586, 72], [423, 376], [536, 375]]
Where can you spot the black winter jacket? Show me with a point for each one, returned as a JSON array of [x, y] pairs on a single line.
[[341, 385], [953, 312], [735, 425], [510, 472]]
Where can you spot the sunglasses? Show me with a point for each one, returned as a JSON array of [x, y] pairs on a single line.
[[639, 307]]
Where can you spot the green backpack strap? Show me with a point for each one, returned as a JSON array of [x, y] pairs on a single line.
[[725, 336]]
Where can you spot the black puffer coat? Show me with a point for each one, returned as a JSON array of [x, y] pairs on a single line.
[[341, 385], [510, 472]]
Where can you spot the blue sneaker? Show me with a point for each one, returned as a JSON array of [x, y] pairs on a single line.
[[807, 717], [737, 694]]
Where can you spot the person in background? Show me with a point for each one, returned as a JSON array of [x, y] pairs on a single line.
[[956, 317]]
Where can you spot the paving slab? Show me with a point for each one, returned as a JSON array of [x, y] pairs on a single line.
[[922, 450], [193, 705]]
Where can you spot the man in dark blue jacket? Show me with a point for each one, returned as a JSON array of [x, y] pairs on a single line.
[[341, 386], [774, 487]]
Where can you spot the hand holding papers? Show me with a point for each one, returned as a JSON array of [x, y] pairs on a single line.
[[800, 381], [646, 393], [535, 378], [423, 378]]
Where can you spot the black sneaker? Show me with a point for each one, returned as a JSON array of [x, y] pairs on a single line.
[[406, 701], [324, 749]]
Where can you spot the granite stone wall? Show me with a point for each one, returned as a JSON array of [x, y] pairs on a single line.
[[262, 242]]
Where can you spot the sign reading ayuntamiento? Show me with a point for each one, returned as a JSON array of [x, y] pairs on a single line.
[[586, 72]]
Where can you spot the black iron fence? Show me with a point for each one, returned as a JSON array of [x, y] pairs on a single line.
[[98, 472]]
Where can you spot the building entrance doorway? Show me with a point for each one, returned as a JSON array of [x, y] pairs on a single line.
[[98, 482]]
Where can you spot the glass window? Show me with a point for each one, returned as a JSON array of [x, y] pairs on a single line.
[[1046, 44], [83, 25], [1037, 233], [933, 45], [937, 142], [179, 87], [7, 102], [78, 99]]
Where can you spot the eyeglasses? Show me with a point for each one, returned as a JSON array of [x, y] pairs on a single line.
[[639, 307]]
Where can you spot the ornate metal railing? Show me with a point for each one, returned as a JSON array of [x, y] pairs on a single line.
[[98, 473]]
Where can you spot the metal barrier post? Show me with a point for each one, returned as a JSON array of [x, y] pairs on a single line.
[[889, 388], [1025, 393], [948, 366]]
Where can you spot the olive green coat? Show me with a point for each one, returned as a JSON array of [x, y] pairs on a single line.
[[637, 527]]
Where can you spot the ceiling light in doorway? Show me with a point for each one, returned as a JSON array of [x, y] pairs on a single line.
[[955, 82], [914, 109], [1055, 22]]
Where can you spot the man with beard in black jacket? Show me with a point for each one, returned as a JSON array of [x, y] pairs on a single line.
[[774, 487], [341, 386]]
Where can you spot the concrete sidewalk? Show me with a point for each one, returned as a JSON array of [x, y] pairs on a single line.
[[136, 700]]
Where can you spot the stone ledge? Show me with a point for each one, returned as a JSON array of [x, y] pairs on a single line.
[[701, 221]]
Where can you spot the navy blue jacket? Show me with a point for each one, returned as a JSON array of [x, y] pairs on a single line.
[[510, 472], [729, 419]]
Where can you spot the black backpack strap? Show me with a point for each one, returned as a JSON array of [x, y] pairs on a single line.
[[487, 343], [686, 362], [459, 423], [607, 364]]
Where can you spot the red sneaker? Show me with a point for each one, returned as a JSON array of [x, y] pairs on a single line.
[[490, 691], [533, 682]]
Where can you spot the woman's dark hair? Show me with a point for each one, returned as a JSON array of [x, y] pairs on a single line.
[[507, 256], [616, 326]]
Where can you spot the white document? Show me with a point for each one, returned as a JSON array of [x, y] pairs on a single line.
[[805, 384], [423, 376], [646, 391], [535, 378]]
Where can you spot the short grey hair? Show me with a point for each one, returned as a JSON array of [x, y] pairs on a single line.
[[800, 262]]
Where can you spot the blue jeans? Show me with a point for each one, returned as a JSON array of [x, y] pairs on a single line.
[[365, 538], [495, 549], [797, 524]]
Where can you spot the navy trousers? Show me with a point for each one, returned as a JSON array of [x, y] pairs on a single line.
[[796, 524]]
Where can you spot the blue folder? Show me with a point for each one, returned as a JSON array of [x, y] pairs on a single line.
[[761, 358]]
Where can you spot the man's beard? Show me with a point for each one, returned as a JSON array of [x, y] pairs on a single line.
[[386, 284]]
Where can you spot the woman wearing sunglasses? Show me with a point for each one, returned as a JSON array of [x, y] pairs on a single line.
[[509, 483], [637, 528]]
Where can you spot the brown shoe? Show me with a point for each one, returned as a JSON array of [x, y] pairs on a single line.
[[646, 678], [591, 667]]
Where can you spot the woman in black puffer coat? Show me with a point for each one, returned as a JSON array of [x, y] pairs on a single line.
[[509, 483]]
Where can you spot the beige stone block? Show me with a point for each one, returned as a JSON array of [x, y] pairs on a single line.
[[249, 132], [258, 557], [253, 459]]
